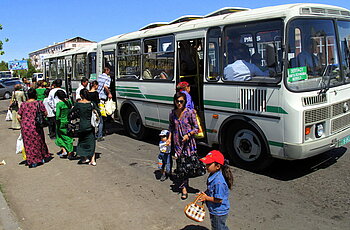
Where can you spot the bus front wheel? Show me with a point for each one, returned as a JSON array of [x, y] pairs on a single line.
[[133, 124], [247, 148]]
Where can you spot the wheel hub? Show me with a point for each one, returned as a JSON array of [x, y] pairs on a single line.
[[247, 145]]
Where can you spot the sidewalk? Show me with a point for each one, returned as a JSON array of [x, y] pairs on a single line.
[[7, 220]]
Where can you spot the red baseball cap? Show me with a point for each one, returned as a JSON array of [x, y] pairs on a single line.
[[213, 156], [182, 85]]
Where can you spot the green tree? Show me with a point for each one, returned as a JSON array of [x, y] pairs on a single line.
[[3, 66], [1, 43]]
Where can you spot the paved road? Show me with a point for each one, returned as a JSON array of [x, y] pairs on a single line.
[[122, 191]]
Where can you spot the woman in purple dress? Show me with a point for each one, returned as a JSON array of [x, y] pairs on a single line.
[[33, 136], [182, 126]]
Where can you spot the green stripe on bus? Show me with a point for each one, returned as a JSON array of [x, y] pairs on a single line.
[[275, 109], [129, 90], [126, 87], [222, 104], [157, 120], [277, 144], [131, 95], [160, 98]]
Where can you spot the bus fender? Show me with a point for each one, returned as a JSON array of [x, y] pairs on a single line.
[[123, 108]]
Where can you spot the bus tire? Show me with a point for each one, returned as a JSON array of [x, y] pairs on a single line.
[[247, 148], [133, 124], [7, 95]]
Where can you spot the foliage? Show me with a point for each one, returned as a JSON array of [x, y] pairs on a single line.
[[3, 66], [1, 43]]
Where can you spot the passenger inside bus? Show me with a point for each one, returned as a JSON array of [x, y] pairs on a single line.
[[242, 69], [187, 58]]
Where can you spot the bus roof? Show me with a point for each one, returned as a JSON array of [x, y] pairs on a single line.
[[78, 50], [280, 11]]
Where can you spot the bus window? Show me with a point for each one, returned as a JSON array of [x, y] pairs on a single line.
[[253, 52], [158, 58], [344, 36], [92, 66], [129, 60], [53, 69], [80, 62], [214, 46], [60, 68]]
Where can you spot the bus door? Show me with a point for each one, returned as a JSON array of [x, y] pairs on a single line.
[[190, 68], [109, 62]]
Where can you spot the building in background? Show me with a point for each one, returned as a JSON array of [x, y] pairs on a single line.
[[38, 56]]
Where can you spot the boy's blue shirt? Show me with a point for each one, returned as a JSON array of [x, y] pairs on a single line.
[[217, 188]]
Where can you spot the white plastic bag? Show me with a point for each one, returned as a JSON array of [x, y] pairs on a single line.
[[19, 145], [110, 106], [8, 116]]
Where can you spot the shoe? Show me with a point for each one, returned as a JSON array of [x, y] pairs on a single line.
[[33, 165], [72, 157], [59, 153], [92, 163], [163, 177], [63, 156], [83, 161], [184, 196], [99, 139]]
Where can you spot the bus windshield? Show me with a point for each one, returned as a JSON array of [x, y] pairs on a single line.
[[313, 61]]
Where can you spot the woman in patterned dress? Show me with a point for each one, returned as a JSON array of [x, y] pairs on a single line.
[[182, 126], [33, 136]]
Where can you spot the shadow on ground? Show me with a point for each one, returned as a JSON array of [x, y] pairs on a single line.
[[280, 169], [194, 227]]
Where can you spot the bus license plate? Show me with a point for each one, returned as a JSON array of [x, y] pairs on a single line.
[[344, 141]]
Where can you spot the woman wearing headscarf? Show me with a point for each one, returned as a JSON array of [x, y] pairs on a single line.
[[33, 135]]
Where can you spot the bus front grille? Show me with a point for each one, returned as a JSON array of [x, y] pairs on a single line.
[[253, 100], [316, 115], [340, 123]]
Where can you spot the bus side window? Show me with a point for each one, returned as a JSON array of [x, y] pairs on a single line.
[[213, 56]]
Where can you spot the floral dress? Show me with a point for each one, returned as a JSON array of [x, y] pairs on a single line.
[[33, 136], [179, 127]]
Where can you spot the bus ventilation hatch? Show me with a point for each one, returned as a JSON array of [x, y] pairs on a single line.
[[253, 100]]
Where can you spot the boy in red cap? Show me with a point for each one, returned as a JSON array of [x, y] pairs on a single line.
[[219, 182]]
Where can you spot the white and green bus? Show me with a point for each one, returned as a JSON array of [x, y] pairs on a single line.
[[295, 107], [71, 66]]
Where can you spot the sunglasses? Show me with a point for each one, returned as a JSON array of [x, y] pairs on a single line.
[[180, 101]]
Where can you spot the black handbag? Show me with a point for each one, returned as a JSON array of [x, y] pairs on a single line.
[[40, 119], [73, 125], [189, 167], [14, 104]]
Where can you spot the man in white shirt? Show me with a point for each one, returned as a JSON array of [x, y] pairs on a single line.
[[84, 85], [242, 70], [52, 101]]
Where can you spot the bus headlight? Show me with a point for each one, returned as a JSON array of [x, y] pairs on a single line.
[[319, 130]]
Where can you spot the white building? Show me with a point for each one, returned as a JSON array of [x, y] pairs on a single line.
[[38, 56]]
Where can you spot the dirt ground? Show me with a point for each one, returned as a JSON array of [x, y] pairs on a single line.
[[122, 191]]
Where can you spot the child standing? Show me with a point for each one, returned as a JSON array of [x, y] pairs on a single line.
[[164, 155], [219, 182]]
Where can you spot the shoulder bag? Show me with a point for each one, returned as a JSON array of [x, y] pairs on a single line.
[[195, 211], [189, 167], [40, 119], [95, 118], [14, 104], [73, 124]]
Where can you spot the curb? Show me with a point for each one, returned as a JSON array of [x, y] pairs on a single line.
[[7, 219]]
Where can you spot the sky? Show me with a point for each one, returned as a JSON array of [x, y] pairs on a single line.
[[34, 24]]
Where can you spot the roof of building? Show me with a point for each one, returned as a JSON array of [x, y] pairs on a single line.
[[75, 39]]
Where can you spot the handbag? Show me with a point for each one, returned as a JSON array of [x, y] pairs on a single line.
[[189, 167], [73, 124], [195, 211], [40, 120], [14, 105], [102, 107], [95, 118], [200, 133], [110, 106]]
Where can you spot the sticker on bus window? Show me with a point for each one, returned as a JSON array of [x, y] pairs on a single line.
[[297, 74], [93, 76]]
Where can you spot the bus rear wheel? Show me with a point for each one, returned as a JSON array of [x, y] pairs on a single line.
[[133, 124], [247, 148]]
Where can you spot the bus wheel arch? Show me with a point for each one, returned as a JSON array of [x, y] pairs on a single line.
[[242, 140], [132, 121]]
